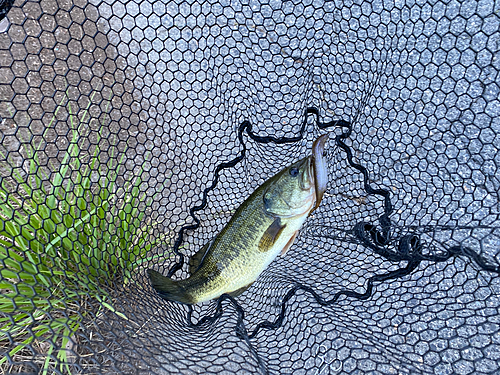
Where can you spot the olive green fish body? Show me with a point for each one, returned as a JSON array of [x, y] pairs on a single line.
[[263, 226], [234, 260]]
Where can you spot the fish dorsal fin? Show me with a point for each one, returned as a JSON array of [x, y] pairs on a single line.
[[271, 235], [197, 259]]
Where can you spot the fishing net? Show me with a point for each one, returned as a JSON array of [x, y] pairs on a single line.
[[131, 131]]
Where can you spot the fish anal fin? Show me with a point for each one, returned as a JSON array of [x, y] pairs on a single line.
[[271, 235], [237, 292], [289, 243], [197, 258]]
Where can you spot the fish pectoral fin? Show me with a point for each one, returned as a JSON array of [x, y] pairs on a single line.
[[271, 235], [197, 259], [289, 243], [237, 292]]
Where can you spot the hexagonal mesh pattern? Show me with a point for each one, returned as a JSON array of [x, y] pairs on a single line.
[[131, 131]]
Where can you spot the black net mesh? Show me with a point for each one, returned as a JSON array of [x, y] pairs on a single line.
[[131, 131]]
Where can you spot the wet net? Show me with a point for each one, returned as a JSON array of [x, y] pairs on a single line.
[[131, 131]]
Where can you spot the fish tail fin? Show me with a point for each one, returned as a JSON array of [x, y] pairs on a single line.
[[168, 289]]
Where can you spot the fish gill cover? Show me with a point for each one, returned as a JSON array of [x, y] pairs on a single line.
[[131, 132]]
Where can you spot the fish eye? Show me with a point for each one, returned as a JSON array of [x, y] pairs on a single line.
[[294, 171]]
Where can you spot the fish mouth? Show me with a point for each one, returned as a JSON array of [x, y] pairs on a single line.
[[307, 179], [318, 168]]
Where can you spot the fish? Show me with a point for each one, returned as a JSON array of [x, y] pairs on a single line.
[[264, 226]]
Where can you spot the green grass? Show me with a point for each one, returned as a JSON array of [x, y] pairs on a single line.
[[66, 237]]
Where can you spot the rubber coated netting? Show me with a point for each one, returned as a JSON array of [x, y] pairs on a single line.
[[131, 131]]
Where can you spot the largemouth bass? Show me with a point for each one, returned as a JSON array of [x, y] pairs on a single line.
[[264, 226]]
